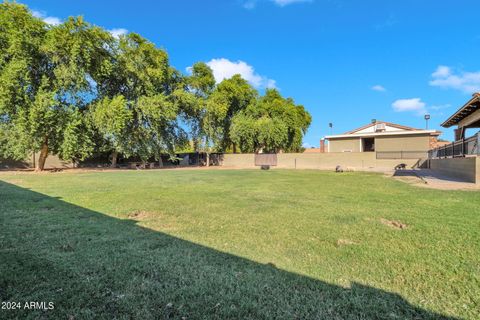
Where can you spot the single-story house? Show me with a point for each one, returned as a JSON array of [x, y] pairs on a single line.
[[386, 138]]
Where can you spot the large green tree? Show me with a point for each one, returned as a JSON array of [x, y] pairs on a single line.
[[46, 83], [192, 96], [73, 89], [135, 111], [230, 97], [273, 124], [210, 108]]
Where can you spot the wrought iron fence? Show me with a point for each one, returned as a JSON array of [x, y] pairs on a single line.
[[401, 154], [460, 148]]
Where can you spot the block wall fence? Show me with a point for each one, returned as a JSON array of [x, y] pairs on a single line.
[[360, 161]]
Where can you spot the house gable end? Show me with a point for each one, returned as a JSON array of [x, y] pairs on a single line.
[[389, 127]]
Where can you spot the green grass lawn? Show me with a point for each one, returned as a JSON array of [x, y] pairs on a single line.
[[206, 244]]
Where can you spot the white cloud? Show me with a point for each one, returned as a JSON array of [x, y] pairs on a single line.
[[283, 3], [118, 32], [437, 110], [389, 22], [37, 14], [444, 77], [307, 145], [379, 88], [225, 69], [54, 21], [251, 4], [271, 84], [413, 105], [440, 107], [442, 71]]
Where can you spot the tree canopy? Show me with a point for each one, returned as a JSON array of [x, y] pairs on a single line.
[[45, 83], [134, 110], [271, 124], [74, 90]]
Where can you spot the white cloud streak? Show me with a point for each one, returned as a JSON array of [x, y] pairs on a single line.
[[440, 107], [118, 32], [445, 77], [225, 69], [251, 4], [379, 88], [283, 3], [54, 21]]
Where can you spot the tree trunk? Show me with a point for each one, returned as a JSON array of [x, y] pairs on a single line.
[[207, 148], [43, 156], [234, 148], [114, 159]]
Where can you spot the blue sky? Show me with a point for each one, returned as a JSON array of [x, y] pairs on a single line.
[[346, 61]]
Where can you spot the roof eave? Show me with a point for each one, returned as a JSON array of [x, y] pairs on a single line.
[[451, 120], [390, 124]]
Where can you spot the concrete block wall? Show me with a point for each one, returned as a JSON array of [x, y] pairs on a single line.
[[52, 162], [324, 161], [466, 169], [239, 160]]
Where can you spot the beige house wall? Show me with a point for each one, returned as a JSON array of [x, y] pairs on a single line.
[[344, 145], [324, 161], [382, 144], [467, 169], [410, 143]]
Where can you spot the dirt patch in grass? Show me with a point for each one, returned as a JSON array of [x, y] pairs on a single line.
[[345, 242], [15, 181], [139, 215], [394, 224], [67, 247], [46, 209]]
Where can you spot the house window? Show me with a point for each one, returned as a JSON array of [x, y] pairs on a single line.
[[368, 144]]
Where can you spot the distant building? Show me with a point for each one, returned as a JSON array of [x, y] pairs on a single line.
[[388, 139], [321, 149], [312, 150]]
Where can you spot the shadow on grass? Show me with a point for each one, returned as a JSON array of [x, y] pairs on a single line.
[[95, 266]]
